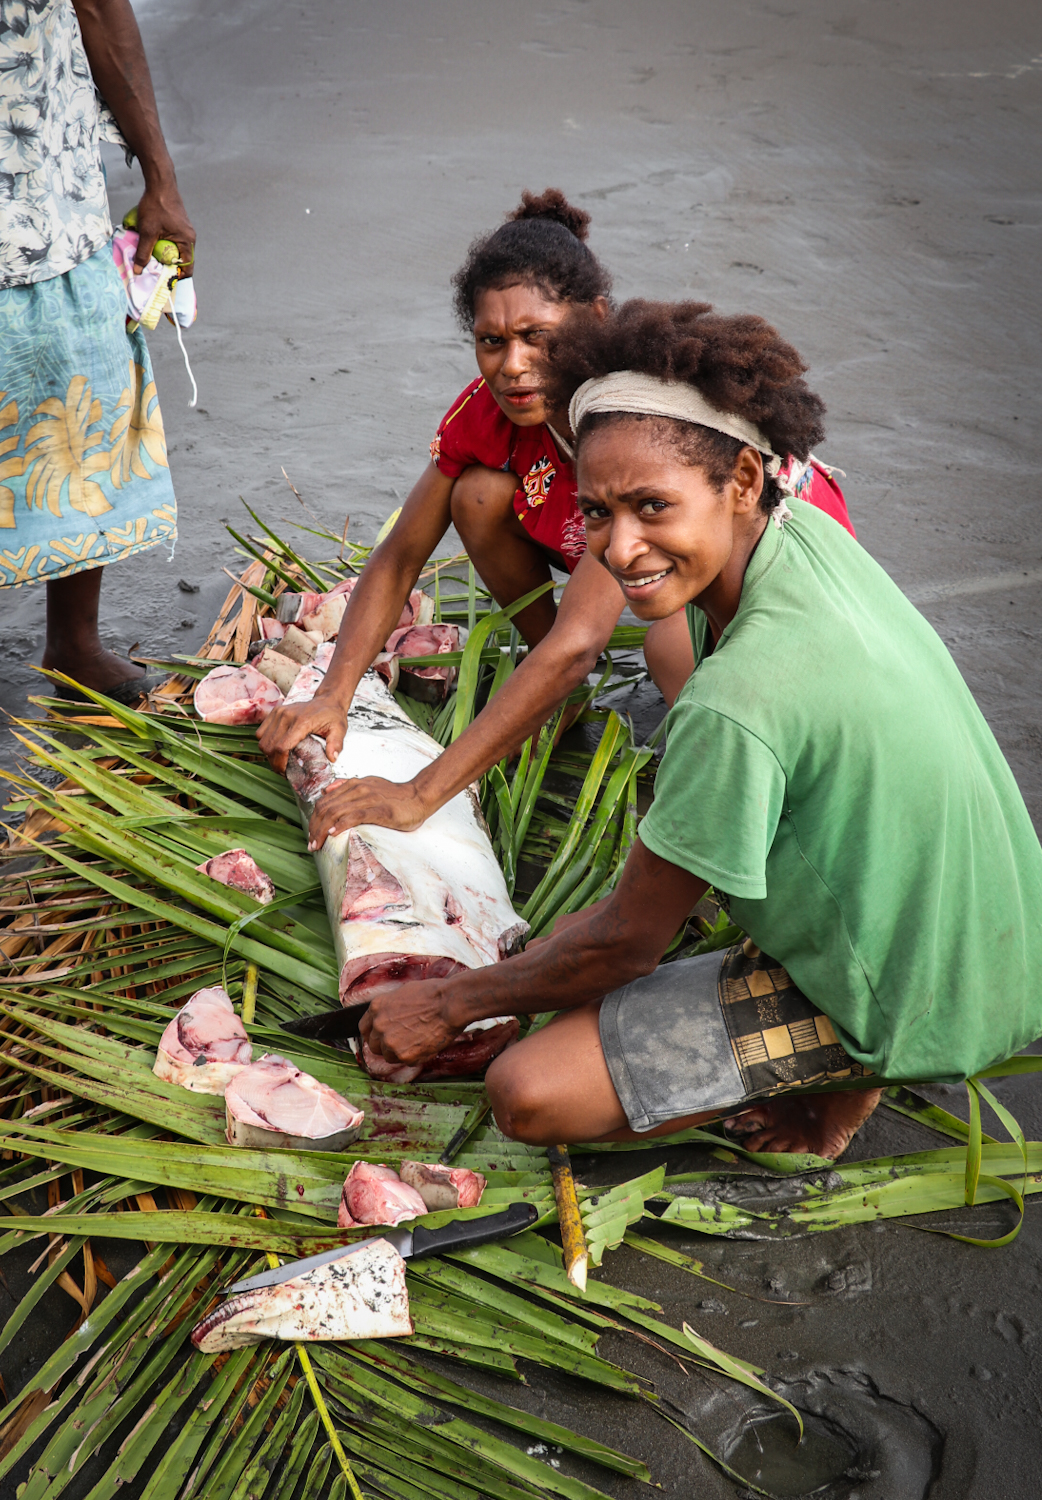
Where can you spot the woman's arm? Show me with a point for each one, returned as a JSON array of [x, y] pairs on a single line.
[[587, 956], [373, 610], [590, 606], [116, 55]]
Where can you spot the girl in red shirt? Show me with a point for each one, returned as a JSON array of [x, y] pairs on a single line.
[[502, 473]]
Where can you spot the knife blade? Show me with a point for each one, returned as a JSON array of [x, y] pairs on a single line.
[[332, 1025], [458, 1234]]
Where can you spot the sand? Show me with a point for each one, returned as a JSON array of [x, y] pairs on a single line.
[[868, 177]]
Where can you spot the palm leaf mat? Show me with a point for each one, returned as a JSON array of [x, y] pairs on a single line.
[[107, 929]]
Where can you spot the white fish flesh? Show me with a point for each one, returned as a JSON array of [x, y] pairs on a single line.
[[442, 1186], [205, 1046], [237, 869], [272, 1103], [271, 663], [362, 1296], [405, 906], [235, 695], [375, 1194]]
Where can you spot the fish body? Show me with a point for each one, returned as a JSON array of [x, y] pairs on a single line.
[[272, 1103], [237, 869], [205, 1046], [404, 906], [374, 1194], [442, 1186], [361, 1296]]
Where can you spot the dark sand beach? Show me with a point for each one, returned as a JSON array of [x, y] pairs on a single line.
[[865, 175]]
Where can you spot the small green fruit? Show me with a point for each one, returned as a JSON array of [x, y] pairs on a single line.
[[166, 252], [130, 218]]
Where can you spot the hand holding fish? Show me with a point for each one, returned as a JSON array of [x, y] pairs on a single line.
[[282, 731], [366, 799], [410, 1024]]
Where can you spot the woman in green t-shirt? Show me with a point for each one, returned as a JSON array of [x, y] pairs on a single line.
[[825, 767]]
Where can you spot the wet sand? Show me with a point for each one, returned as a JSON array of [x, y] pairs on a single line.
[[868, 178]]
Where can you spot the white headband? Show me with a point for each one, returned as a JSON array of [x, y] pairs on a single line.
[[647, 395]]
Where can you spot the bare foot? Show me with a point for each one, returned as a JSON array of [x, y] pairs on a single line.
[[820, 1124], [101, 670]]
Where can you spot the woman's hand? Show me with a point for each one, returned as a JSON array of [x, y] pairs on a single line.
[[367, 799], [283, 730], [410, 1024]]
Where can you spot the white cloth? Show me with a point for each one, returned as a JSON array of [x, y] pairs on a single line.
[[54, 210], [648, 396]]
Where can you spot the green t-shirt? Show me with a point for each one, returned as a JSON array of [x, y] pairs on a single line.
[[827, 767]]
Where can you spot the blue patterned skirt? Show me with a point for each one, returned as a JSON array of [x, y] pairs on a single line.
[[84, 478]]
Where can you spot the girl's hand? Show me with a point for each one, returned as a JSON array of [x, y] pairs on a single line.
[[368, 799], [283, 730]]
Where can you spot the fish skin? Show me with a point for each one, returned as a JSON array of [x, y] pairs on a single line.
[[273, 1103], [375, 1194], [206, 1027], [236, 868], [441, 1186], [363, 1296]]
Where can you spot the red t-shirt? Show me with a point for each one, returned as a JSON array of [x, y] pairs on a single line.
[[476, 431]]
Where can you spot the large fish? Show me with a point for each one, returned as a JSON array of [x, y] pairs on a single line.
[[406, 906]]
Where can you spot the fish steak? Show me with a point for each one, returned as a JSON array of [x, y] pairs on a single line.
[[362, 1296], [272, 1103], [441, 1186], [205, 1046], [235, 695], [375, 1194], [236, 868]]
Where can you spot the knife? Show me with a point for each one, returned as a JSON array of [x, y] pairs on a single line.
[[332, 1025], [458, 1234]]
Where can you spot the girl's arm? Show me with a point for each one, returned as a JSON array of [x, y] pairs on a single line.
[[589, 609], [373, 611]]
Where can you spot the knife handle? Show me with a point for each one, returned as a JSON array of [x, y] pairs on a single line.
[[464, 1234]]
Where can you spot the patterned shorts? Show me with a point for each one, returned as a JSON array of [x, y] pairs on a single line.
[[703, 1035]]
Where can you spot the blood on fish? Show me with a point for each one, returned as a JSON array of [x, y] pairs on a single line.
[[370, 890], [376, 973]]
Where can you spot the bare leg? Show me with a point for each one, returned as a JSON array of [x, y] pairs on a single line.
[[509, 562], [73, 645], [555, 1087], [668, 653]]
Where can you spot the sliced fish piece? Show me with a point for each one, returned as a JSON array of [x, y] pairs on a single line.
[[430, 684], [271, 663], [272, 1103], [362, 1296], [235, 695], [441, 1186], [236, 868], [323, 613], [205, 1046], [270, 628], [300, 645], [375, 1194]]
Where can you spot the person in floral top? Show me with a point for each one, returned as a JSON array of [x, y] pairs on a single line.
[[84, 479]]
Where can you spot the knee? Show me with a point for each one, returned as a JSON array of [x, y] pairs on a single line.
[[517, 1102], [480, 499]]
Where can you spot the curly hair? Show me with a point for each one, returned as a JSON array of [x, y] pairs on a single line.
[[542, 244], [739, 363]]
